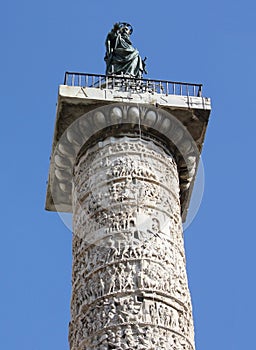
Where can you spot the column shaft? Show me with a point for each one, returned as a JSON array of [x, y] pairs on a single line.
[[129, 283]]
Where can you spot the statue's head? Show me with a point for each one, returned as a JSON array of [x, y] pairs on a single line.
[[126, 28]]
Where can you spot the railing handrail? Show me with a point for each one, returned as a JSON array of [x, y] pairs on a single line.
[[127, 78]]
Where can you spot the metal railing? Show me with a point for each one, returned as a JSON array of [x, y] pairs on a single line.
[[130, 84]]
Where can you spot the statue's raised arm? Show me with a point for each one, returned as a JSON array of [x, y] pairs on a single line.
[[121, 57]]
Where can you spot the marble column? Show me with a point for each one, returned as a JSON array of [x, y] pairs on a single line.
[[129, 283]]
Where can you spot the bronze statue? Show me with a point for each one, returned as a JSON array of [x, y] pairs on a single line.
[[121, 57]]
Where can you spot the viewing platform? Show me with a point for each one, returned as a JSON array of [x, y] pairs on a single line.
[[88, 88]]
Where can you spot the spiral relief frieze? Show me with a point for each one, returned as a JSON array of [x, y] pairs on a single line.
[[129, 284]]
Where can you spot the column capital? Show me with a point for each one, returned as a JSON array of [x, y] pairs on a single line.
[[83, 120]]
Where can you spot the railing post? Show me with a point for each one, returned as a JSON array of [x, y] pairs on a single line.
[[167, 88], [66, 78], [199, 91]]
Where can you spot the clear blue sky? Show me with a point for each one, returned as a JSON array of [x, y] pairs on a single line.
[[209, 42]]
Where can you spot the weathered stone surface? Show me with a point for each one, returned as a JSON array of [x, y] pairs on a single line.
[[129, 278]]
